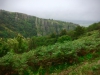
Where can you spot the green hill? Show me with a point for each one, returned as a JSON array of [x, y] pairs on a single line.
[[62, 52], [52, 58], [12, 23]]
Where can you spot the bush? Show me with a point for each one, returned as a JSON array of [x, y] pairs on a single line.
[[64, 38]]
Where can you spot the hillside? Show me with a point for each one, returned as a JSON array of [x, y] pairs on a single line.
[[51, 59], [69, 49], [85, 68], [12, 23]]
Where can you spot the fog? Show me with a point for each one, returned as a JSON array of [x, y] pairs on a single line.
[[83, 12]]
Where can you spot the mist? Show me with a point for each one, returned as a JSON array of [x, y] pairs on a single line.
[[83, 12]]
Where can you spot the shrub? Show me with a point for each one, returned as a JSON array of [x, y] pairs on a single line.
[[64, 38]]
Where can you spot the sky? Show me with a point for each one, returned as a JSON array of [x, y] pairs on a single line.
[[82, 12]]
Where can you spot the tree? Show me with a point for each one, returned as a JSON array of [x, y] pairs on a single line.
[[3, 47], [95, 26], [53, 35], [79, 30], [63, 32], [22, 44], [64, 38]]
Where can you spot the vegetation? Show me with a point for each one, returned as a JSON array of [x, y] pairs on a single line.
[[74, 52], [13, 23], [48, 59], [95, 26]]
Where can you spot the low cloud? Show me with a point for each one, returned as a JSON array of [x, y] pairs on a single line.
[[67, 10]]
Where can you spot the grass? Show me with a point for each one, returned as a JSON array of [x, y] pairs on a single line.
[[84, 68]]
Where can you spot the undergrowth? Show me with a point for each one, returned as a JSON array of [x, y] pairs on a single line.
[[50, 59]]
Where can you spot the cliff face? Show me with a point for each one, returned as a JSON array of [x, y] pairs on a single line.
[[12, 23]]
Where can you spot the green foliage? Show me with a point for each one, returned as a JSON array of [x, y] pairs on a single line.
[[18, 45], [13, 23], [86, 68], [95, 26], [53, 35], [63, 32], [79, 31], [64, 38], [43, 59], [22, 44], [45, 54], [3, 47]]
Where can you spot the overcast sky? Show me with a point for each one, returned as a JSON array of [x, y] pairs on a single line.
[[79, 11]]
